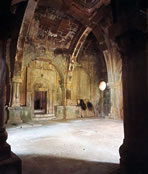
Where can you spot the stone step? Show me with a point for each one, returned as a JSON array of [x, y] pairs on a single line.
[[39, 117], [43, 115], [43, 118]]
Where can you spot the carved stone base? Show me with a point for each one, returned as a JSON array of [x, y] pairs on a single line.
[[135, 168], [69, 112], [12, 165], [14, 115], [114, 113], [134, 155]]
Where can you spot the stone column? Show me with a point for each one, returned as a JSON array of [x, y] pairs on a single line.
[[116, 99], [16, 82], [134, 151], [4, 147], [114, 110], [9, 162], [15, 109], [114, 64]]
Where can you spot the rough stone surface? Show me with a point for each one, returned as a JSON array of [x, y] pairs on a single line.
[[64, 59]]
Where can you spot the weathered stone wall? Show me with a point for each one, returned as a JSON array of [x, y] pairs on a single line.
[[50, 34], [43, 76], [88, 72], [49, 44]]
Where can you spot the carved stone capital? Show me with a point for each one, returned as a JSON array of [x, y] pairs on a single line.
[[16, 79]]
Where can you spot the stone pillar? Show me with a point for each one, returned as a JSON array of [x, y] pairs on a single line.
[[114, 66], [4, 147], [114, 110], [134, 151], [16, 82], [116, 99], [9, 162], [14, 110]]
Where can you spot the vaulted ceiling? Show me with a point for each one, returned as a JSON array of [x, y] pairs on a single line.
[[66, 23], [79, 17]]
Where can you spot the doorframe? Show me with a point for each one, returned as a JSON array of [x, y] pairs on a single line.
[[46, 96]]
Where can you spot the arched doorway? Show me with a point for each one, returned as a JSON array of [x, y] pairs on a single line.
[[43, 90], [40, 102]]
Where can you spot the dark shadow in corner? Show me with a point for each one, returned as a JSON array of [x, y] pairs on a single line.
[[39, 164]]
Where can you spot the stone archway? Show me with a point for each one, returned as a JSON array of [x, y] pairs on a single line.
[[113, 63], [43, 87]]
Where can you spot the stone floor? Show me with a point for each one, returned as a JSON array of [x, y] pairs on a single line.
[[84, 146]]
